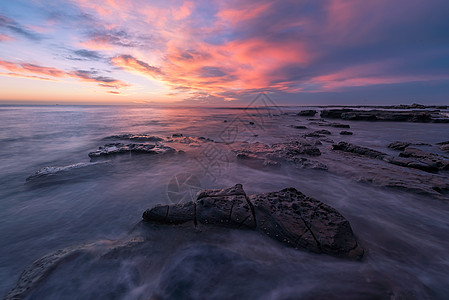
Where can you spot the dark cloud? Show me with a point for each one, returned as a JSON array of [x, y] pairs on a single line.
[[83, 55], [15, 27]]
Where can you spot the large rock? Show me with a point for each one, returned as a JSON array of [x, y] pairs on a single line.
[[304, 223], [120, 148], [424, 116], [287, 216]]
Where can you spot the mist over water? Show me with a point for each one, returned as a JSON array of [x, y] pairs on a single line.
[[406, 235]]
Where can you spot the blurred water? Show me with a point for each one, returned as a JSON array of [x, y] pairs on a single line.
[[406, 235]]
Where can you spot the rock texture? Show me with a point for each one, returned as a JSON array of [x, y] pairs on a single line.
[[135, 137], [411, 157], [444, 146], [287, 216], [424, 116], [296, 152], [120, 148], [307, 113]]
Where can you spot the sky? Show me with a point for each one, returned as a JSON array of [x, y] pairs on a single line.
[[220, 52]]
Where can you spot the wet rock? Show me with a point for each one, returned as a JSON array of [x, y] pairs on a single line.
[[399, 145], [287, 216], [346, 132], [434, 160], [304, 223], [346, 147], [411, 157], [386, 115], [307, 113], [313, 134], [338, 125], [259, 154], [120, 148], [323, 131], [135, 137], [444, 146], [299, 127]]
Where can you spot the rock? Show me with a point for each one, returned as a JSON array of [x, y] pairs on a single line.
[[259, 154], [299, 127], [176, 135], [346, 147], [251, 123], [307, 113], [386, 115], [416, 158], [135, 137], [323, 131], [287, 216], [431, 159], [119, 148], [304, 223], [338, 125], [399, 145], [346, 132], [444, 146]]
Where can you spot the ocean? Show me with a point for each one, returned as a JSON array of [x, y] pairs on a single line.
[[77, 201]]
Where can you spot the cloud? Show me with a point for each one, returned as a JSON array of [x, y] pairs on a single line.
[[5, 38], [18, 70], [132, 64], [18, 29]]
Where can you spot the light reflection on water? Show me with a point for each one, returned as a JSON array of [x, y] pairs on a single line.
[[406, 235]]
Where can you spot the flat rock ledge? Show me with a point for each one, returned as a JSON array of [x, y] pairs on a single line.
[[288, 216], [120, 148], [410, 157]]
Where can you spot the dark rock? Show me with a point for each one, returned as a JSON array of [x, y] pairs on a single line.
[[444, 146], [299, 127], [416, 158], [334, 113], [135, 137], [346, 147], [259, 154], [386, 115], [338, 125], [345, 132], [287, 216], [119, 148], [251, 123], [307, 113], [323, 131], [177, 135], [434, 160], [399, 145], [312, 134], [304, 223]]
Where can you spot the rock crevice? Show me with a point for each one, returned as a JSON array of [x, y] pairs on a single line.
[[288, 216]]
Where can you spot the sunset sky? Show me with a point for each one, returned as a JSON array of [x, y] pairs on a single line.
[[224, 52]]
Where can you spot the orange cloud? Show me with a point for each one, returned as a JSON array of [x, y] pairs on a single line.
[[6, 38]]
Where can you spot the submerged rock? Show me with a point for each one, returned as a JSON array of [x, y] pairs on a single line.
[[344, 132], [307, 113], [399, 145], [287, 216], [120, 148]]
